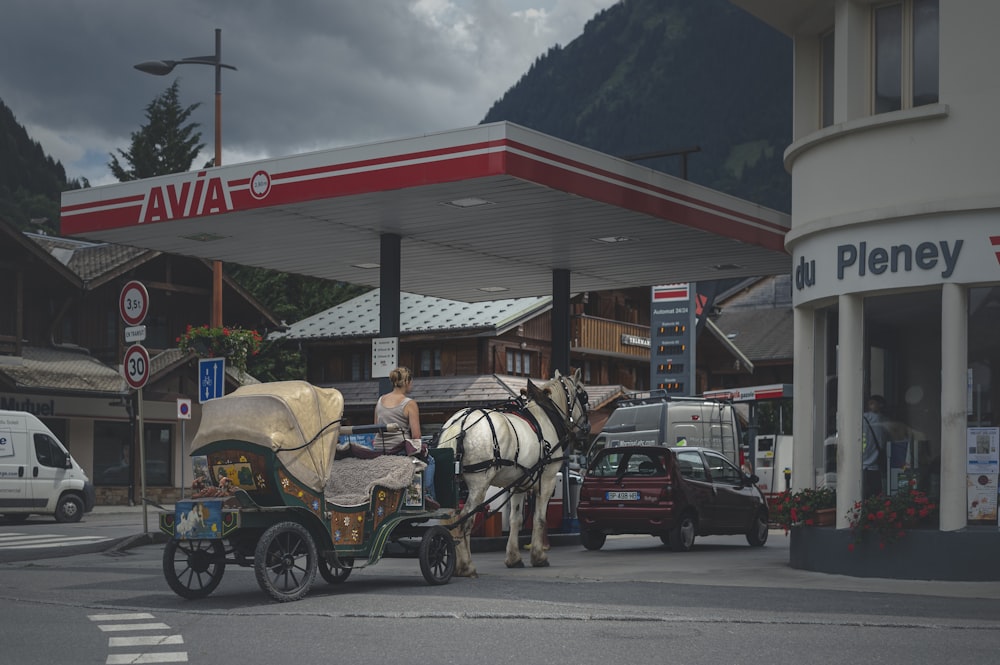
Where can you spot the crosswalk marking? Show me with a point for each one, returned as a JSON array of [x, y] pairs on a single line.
[[145, 640], [25, 541], [113, 628], [138, 621], [163, 657]]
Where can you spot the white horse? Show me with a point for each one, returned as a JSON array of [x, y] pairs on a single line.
[[520, 449]]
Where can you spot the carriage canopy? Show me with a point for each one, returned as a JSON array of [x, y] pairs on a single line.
[[283, 416]]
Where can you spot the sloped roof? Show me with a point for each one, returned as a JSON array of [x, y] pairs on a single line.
[[89, 260], [359, 317], [761, 334], [47, 369]]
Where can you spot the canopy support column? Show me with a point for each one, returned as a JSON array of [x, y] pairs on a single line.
[[390, 282]]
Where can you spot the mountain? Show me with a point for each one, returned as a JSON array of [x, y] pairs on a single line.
[[30, 180], [654, 76]]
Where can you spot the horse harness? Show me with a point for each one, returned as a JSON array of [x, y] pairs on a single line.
[[561, 422]]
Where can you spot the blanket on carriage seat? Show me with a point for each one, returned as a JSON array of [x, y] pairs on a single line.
[[351, 480]]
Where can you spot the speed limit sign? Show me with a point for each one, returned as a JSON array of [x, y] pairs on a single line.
[[136, 366]]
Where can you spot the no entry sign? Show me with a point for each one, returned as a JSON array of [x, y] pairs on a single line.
[[133, 304]]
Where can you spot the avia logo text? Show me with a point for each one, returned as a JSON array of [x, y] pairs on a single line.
[[203, 196]]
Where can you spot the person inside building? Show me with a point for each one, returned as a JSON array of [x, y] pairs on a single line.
[[874, 435], [397, 407]]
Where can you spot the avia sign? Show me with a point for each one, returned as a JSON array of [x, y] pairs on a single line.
[[203, 196]]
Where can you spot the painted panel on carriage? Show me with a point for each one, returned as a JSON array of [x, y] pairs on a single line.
[[198, 519], [956, 248]]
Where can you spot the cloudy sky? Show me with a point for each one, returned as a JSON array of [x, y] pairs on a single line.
[[311, 74]]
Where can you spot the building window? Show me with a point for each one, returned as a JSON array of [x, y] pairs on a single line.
[[518, 362], [430, 362], [112, 450], [361, 367], [158, 440], [905, 55], [826, 79]]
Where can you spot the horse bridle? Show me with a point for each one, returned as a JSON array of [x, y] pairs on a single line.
[[580, 398]]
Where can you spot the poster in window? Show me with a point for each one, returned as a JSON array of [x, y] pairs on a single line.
[[983, 444]]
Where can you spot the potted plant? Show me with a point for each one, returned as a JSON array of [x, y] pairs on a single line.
[[889, 516], [236, 344], [811, 507]]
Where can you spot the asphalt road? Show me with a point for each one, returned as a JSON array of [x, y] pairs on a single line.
[[634, 601]]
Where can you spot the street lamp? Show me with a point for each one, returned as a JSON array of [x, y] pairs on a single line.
[[164, 67]]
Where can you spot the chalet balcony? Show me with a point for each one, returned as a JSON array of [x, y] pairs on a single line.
[[604, 337]]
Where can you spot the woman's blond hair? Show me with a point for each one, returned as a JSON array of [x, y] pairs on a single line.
[[400, 376]]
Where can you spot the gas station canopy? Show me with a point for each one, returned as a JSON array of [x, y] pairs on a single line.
[[482, 213]]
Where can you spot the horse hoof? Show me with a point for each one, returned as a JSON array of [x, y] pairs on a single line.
[[516, 564], [541, 564]]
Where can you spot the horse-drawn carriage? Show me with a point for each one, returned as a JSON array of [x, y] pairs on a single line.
[[287, 508], [291, 506]]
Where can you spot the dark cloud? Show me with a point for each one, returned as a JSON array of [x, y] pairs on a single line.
[[311, 74]]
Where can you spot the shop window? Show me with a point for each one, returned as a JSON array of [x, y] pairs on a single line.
[[158, 440], [983, 407], [518, 362], [905, 55], [112, 451], [902, 364]]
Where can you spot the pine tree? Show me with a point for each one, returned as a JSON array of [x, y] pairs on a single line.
[[164, 145]]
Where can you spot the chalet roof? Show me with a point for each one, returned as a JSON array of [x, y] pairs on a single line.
[[757, 317], [359, 317], [458, 392], [64, 370], [89, 260], [761, 334]]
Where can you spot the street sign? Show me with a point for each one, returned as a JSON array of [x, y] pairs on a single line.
[[211, 378], [136, 366], [135, 334], [385, 355], [183, 408], [133, 304]]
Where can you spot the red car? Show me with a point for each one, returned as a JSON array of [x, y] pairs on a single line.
[[674, 493]]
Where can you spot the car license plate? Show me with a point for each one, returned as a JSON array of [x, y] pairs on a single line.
[[622, 496]]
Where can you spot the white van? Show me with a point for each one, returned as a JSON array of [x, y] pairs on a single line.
[[655, 419], [37, 475]]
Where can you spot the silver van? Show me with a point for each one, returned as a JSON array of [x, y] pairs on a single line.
[[656, 419]]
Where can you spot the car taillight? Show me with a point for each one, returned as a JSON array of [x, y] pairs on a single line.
[[667, 492]]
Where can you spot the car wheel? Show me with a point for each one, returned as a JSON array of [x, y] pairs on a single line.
[[757, 535], [681, 537], [70, 509], [592, 540]]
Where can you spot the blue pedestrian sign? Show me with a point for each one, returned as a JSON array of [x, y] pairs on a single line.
[[211, 378]]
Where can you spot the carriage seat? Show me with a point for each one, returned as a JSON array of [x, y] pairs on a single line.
[[352, 479]]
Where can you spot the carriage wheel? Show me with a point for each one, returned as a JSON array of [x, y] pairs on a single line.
[[285, 561], [437, 555], [193, 568], [335, 574]]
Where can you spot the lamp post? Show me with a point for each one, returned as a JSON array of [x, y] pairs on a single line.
[[164, 67]]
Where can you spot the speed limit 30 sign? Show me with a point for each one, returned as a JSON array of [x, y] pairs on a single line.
[[136, 366]]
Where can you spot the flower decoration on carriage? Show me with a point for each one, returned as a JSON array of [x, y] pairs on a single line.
[[337, 535], [354, 534], [381, 495], [236, 344], [315, 505], [380, 511], [347, 521], [284, 483]]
